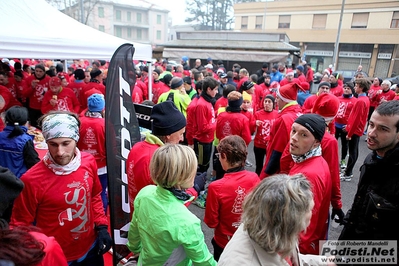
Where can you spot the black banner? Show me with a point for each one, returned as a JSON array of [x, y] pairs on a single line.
[[121, 133], [143, 114]]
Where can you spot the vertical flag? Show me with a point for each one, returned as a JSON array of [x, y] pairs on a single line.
[[121, 133]]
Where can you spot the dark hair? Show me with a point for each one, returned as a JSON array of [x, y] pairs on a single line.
[[59, 67], [235, 150], [19, 73], [197, 75], [79, 74], [389, 108], [209, 82], [19, 246], [198, 86], [18, 66], [16, 116], [229, 88]]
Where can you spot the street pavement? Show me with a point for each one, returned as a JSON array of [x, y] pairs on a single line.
[[348, 190]]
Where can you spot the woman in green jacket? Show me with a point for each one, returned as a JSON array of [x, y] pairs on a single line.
[[162, 229]]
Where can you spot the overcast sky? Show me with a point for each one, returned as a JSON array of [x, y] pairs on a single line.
[[176, 7]]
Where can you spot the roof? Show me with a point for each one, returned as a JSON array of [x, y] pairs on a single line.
[[138, 3], [233, 45]]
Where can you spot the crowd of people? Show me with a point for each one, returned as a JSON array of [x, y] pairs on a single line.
[[203, 120]]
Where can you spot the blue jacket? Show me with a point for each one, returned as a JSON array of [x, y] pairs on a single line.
[[12, 151]]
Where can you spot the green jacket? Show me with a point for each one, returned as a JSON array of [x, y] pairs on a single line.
[[181, 100], [164, 231]]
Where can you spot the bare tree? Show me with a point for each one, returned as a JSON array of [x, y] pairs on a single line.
[[212, 14], [69, 6]]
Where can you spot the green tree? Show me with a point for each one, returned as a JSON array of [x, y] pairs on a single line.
[[212, 14]]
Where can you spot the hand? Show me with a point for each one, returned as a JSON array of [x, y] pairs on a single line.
[[258, 123], [53, 102], [104, 240], [34, 83], [340, 214]]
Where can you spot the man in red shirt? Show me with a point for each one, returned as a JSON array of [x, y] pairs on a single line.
[[59, 98], [356, 125], [36, 86], [62, 194]]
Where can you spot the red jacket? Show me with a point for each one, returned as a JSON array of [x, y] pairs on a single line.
[[337, 91], [224, 203], [92, 138], [251, 120], [95, 85], [345, 108], [260, 93], [78, 88], [205, 121], [67, 207], [229, 123], [221, 102], [66, 101], [384, 96], [158, 88], [54, 254], [280, 135], [36, 94], [262, 136], [191, 126], [358, 117], [137, 94], [371, 93], [317, 172]]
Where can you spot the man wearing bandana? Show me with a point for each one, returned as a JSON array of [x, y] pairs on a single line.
[[62, 194]]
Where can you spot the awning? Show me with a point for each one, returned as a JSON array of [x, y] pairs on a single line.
[[232, 55]]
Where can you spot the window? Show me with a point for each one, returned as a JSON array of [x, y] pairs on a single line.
[[159, 19], [139, 33], [129, 16], [259, 22], [100, 12], [139, 17], [395, 20], [359, 20], [244, 22], [284, 22], [101, 28], [129, 32], [159, 34], [118, 15], [118, 32], [319, 21]]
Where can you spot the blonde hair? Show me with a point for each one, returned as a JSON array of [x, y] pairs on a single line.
[[172, 164], [275, 212]]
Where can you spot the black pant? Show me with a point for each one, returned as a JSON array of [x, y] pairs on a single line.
[[217, 166], [339, 133], [92, 259], [203, 152], [353, 154], [217, 250], [259, 159]]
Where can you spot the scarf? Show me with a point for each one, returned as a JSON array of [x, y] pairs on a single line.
[[312, 153], [208, 98], [93, 114], [72, 166]]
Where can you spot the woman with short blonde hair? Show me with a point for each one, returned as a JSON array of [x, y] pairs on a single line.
[[163, 231]]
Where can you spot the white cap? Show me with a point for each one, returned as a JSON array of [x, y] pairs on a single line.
[[209, 66]]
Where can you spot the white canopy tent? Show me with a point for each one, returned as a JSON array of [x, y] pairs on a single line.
[[35, 29]]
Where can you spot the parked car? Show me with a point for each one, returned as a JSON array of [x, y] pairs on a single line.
[[393, 80], [349, 74]]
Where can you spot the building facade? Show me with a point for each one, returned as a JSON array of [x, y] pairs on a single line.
[[369, 34], [137, 21]]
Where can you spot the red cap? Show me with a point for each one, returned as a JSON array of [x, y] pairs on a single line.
[[288, 93], [55, 82], [305, 85], [326, 105]]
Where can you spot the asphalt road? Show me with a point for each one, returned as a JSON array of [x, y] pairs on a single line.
[[348, 190]]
